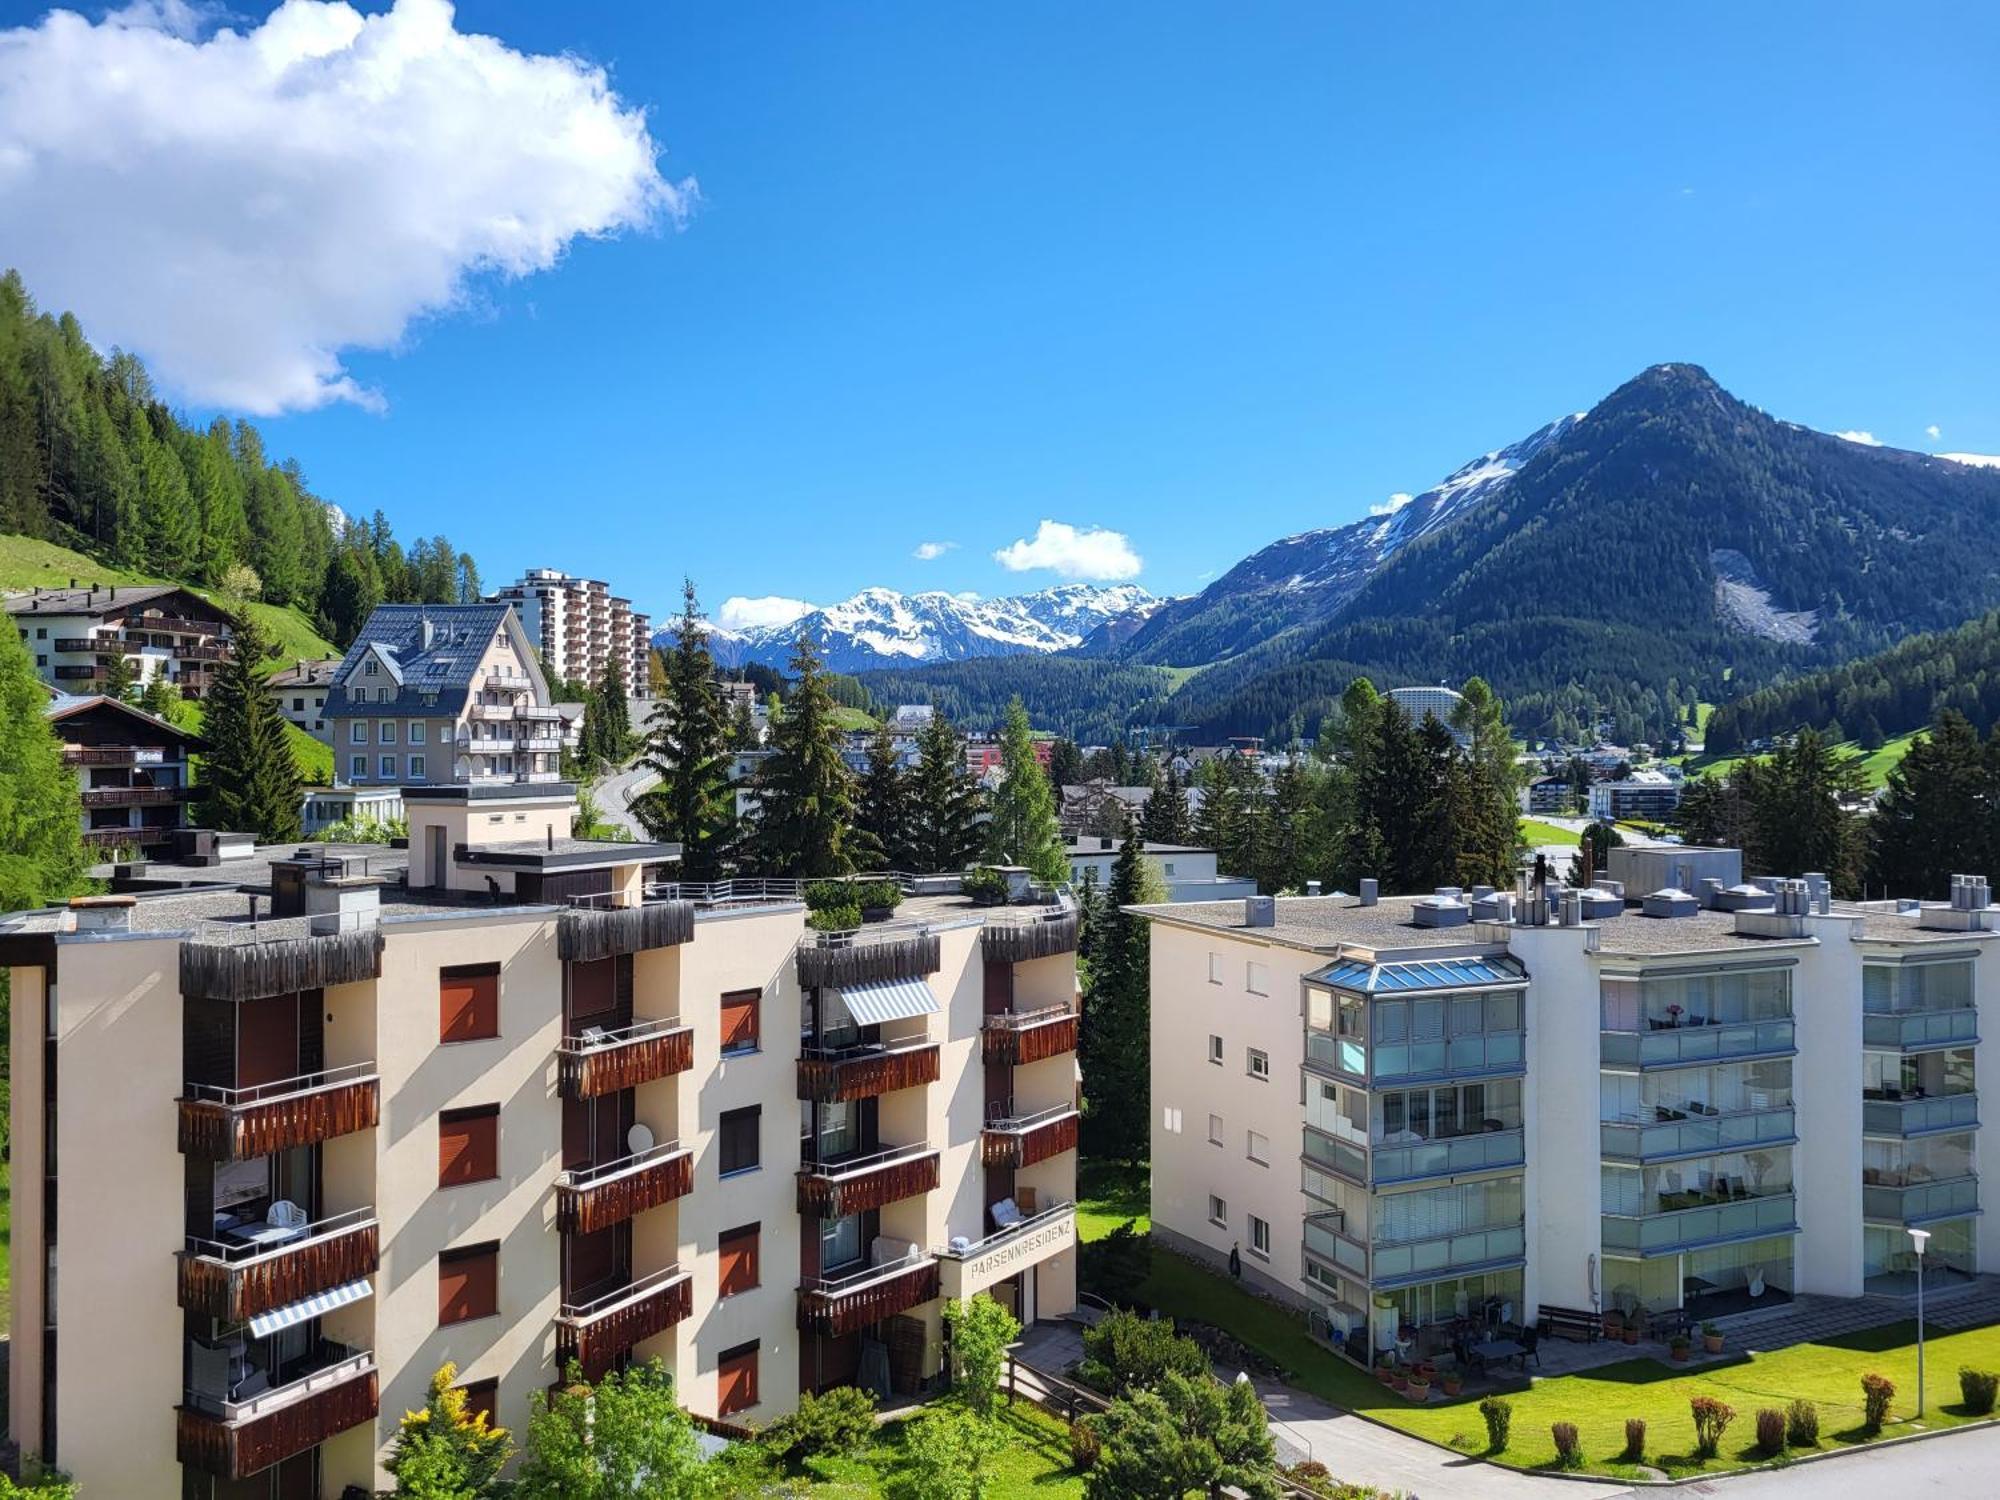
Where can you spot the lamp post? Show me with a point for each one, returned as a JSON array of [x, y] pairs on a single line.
[[1918, 1237]]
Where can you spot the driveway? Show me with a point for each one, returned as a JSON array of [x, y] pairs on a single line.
[[1963, 1463], [615, 793]]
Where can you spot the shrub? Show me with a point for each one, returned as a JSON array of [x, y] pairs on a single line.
[[821, 894], [877, 893], [1770, 1429], [1569, 1448], [1116, 1266], [985, 885], [1499, 1415], [837, 1424], [1977, 1389], [1083, 1445], [1802, 1425], [1635, 1440], [1125, 1351], [1711, 1417], [834, 918], [1877, 1391]]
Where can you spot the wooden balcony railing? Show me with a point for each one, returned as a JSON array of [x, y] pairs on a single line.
[[256, 969], [595, 1333], [98, 645], [588, 932], [136, 796], [1023, 1140], [607, 1061], [832, 1190], [222, 1124], [833, 1075], [832, 1306], [120, 838], [868, 955], [594, 1198], [235, 1439], [1014, 935], [233, 1283], [1018, 1037]]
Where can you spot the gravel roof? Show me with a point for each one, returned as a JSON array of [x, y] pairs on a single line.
[[1697, 932], [1322, 923]]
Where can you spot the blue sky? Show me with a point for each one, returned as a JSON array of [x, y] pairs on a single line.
[[1201, 275]]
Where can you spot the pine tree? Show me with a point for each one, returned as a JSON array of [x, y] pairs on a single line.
[[607, 723], [944, 802], [1936, 816], [1114, 1041], [882, 808], [1166, 817], [805, 789], [743, 731], [694, 803], [253, 782], [41, 812], [119, 678], [1800, 814], [1023, 829]]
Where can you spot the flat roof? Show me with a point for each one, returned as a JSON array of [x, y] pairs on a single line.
[[1322, 923], [1703, 931]]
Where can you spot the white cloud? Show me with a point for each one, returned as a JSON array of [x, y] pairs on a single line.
[[967, 596], [242, 208], [1932, 432], [1390, 506], [1866, 439], [932, 551], [767, 612], [1092, 552], [1976, 460]]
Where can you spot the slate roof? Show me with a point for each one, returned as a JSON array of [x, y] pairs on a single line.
[[433, 680], [100, 600]]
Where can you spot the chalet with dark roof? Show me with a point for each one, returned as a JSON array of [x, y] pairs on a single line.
[[131, 767], [163, 630]]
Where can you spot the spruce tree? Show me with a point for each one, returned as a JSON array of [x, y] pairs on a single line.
[[253, 782], [882, 808], [42, 857], [1023, 829], [1935, 817], [1166, 817], [1800, 814], [607, 723], [944, 802], [119, 678], [1114, 1041], [743, 732], [694, 803], [805, 789]]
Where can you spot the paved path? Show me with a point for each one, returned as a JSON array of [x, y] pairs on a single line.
[[616, 791], [1964, 1463]]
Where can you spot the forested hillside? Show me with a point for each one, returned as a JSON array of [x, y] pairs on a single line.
[[1878, 696], [91, 458]]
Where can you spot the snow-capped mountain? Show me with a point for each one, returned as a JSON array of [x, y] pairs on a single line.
[[1305, 578], [881, 627]]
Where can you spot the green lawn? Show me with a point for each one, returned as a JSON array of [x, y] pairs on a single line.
[[1534, 832], [314, 758], [1875, 764], [1107, 1194], [1035, 1462], [854, 718]]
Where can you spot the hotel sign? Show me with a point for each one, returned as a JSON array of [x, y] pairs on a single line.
[[996, 1260]]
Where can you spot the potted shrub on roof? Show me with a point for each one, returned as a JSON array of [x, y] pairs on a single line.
[[1635, 1325], [1420, 1386], [878, 899], [985, 886], [1453, 1381], [1711, 1339]]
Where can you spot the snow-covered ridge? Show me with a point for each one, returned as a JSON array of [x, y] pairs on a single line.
[[881, 627]]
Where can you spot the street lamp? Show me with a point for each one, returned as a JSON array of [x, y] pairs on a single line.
[[1918, 1238]]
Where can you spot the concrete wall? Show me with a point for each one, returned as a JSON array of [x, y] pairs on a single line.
[[1986, 1149], [26, 1026], [1826, 1102]]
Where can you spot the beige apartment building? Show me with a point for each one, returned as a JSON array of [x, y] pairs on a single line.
[[303, 1142], [581, 627]]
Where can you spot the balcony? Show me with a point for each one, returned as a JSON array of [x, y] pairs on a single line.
[[1907, 1117], [1446, 1254], [185, 652], [136, 796], [76, 672], [603, 1062], [235, 1439], [119, 838], [591, 932], [175, 625], [1696, 1134], [597, 1332], [1022, 1140], [1692, 1228], [1016, 935], [232, 1283], [831, 1075], [97, 645], [834, 1189], [1479, 1054], [1016, 1038], [1683, 1046], [966, 1268], [228, 969], [834, 1305], [1911, 1030], [1326, 1237], [594, 1198], [1447, 1156], [490, 712], [868, 955], [1919, 1202], [224, 1124], [113, 755], [538, 743], [507, 682], [537, 711]]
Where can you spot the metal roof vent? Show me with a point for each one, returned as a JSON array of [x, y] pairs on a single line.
[[1260, 911], [1370, 890], [1441, 911], [1670, 903]]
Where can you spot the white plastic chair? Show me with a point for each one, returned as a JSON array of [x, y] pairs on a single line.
[[286, 1214]]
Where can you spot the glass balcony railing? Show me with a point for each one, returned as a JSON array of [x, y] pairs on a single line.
[[1418, 1259], [1462, 1153], [1697, 1135], [1919, 1028], [1691, 1228], [1919, 1116], [1479, 1053], [1325, 1238], [1920, 1201], [1680, 1046]]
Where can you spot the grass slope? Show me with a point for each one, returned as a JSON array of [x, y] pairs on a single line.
[[313, 757], [1875, 764], [1535, 833], [1034, 1463]]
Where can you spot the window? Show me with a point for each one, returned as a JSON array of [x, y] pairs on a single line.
[[1215, 968], [1257, 1063], [468, 1002], [738, 1251], [468, 1145], [416, 768], [1218, 1212], [368, 667], [739, 1021], [1258, 1149], [1215, 1130], [387, 729], [357, 767], [1170, 1119], [1215, 1049], [482, 1398], [736, 1379], [739, 1140], [840, 1244], [417, 732], [357, 732], [1257, 978], [1260, 1238], [388, 768], [468, 1283], [1168, 869], [298, 705]]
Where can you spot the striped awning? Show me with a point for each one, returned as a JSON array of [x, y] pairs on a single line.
[[889, 1000], [265, 1324]]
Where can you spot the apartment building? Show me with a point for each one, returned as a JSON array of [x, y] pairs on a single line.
[[581, 627], [300, 691], [1386, 1104], [442, 695], [517, 1108], [1643, 794], [131, 770], [160, 630], [1190, 872]]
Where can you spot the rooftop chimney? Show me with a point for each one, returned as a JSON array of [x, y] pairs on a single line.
[[103, 913], [1370, 889], [1312, 888]]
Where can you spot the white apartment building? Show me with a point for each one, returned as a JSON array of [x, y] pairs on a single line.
[[159, 629], [515, 1109], [1387, 1104], [1189, 871], [580, 627], [300, 692]]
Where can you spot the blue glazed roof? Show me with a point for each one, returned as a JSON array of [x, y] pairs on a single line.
[[1420, 974], [431, 681]]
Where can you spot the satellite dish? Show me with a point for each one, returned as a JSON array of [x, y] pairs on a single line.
[[639, 1138]]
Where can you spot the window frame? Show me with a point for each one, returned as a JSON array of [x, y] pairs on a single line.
[[1215, 1130], [753, 1000], [1251, 1055], [743, 1358], [1219, 1219], [755, 1114], [1216, 1050], [1250, 1140], [461, 1116], [450, 972], [485, 1251], [732, 1241], [1260, 1229]]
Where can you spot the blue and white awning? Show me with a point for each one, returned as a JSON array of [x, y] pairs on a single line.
[[889, 1000], [268, 1323]]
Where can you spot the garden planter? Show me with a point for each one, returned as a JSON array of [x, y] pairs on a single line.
[[877, 913], [1420, 1390], [1630, 1335], [1399, 1382], [1453, 1384], [1614, 1325], [1680, 1353], [1384, 1374], [1711, 1343]]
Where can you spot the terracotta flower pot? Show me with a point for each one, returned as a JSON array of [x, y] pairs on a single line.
[[1712, 1343], [1631, 1335], [1400, 1382], [1453, 1384], [1680, 1353], [1420, 1390]]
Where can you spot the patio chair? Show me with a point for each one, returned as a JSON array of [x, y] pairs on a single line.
[[286, 1214], [1531, 1339]]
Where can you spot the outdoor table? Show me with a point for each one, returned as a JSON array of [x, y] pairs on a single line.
[[1494, 1351]]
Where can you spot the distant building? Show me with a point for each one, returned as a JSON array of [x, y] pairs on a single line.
[[1551, 794], [983, 756], [1440, 702], [580, 627], [1098, 807], [163, 631], [131, 767], [300, 693], [325, 806], [1643, 794], [1190, 872], [911, 719]]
